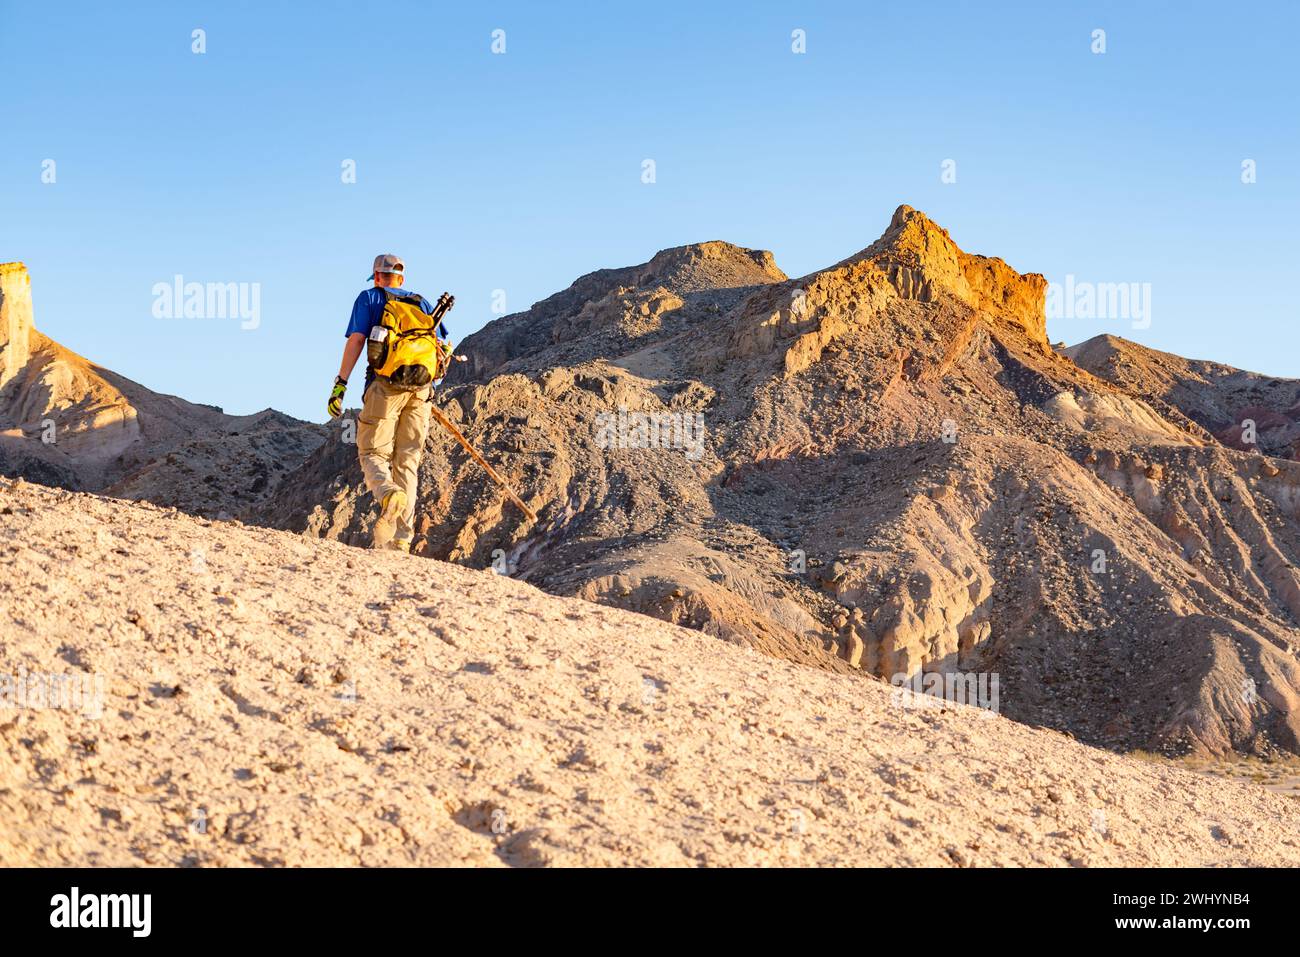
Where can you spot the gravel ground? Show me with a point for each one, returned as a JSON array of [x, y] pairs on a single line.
[[269, 699]]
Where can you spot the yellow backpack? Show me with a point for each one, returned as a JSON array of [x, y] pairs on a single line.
[[408, 347]]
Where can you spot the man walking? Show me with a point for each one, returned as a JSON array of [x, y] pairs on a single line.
[[407, 351]]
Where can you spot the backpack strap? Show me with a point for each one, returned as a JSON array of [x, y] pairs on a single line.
[[413, 298]]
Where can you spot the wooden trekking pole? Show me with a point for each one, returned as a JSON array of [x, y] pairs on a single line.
[[447, 424]]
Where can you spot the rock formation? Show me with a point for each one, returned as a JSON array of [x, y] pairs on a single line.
[[15, 319]]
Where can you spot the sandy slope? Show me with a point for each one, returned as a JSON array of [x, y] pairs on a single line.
[[326, 705]]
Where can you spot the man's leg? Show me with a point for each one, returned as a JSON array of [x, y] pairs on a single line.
[[408, 449], [376, 428]]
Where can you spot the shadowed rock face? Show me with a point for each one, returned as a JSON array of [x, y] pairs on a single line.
[[65, 421], [878, 469]]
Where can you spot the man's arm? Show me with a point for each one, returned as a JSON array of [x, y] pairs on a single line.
[[357, 331], [351, 353]]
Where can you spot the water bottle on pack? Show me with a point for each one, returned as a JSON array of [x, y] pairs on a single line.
[[377, 346]]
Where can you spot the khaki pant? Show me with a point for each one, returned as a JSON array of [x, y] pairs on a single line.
[[390, 441]]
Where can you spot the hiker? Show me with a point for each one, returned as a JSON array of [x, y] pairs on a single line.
[[407, 351]]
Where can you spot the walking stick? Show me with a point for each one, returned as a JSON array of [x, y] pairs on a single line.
[[446, 424]]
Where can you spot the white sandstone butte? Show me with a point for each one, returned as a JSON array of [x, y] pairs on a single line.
[[15, 319]]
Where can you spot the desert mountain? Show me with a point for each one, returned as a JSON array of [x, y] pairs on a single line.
[[236, 696], [879, 469], [67, 422], [1242, 410]]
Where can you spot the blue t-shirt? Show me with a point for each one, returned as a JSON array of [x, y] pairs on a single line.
[[370, 306]]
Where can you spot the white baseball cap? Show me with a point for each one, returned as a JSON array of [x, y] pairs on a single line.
[[387, 262]]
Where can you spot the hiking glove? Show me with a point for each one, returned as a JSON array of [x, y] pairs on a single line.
[[336, 397]]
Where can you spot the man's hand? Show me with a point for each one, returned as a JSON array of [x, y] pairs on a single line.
[[336, 397]]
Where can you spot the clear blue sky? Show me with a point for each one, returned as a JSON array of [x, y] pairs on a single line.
[[522, 171]]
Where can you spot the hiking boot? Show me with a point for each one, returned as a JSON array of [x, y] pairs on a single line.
[[390, 511], [399, 545]]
